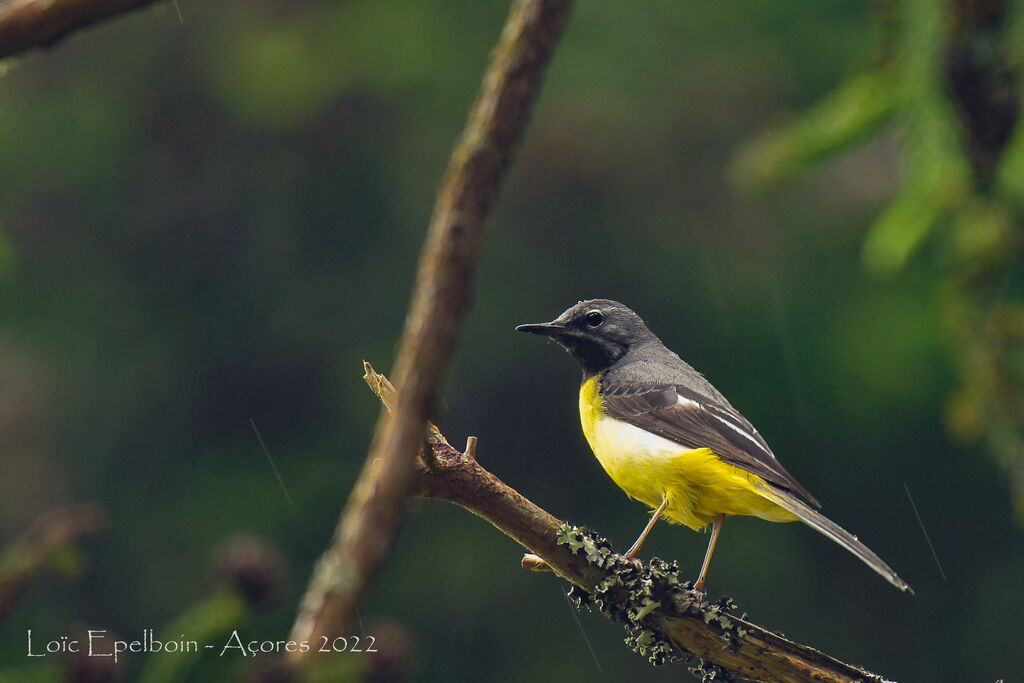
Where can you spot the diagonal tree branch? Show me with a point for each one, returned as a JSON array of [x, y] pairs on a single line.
[[25, 24], [665, 617], [440, 298]]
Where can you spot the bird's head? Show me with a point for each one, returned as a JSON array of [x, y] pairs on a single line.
[[597, 332]]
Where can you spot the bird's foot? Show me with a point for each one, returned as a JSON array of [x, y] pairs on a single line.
[[698, 588], [632, 557]]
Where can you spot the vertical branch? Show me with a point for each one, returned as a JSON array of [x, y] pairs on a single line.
[[440, 298]]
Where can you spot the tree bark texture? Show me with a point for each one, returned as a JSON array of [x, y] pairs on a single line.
[[25, 24]]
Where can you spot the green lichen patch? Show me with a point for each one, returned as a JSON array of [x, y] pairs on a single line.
[[718, 613], [709, 672], [632, 592]]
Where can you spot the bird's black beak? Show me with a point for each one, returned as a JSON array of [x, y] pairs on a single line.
[[546, 329]]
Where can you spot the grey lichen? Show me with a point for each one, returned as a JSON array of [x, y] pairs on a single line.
[[710, 672], [732, 632], [596, 549], [631, 593]]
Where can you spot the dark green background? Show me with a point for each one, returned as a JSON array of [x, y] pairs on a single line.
[[216, 221]]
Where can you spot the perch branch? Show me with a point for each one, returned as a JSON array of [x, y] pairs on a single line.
[[719, 638], [440, 298], [53, 533], [25, 24]]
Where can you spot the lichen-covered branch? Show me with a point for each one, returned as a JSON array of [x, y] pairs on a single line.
[[25, 24], [49, 536], [665, 618], [440, 298]]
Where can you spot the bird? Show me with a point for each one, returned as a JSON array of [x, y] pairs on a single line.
[[669, 439]]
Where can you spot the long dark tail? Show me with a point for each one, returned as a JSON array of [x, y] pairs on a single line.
[[788, 501]]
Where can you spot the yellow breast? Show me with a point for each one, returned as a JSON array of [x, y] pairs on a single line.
[[699, 485]]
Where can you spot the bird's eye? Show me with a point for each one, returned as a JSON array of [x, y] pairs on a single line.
[[594, 318]]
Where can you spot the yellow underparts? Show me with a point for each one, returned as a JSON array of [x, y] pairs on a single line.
[[699, 484]]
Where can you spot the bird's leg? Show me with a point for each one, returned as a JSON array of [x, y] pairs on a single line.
[[718, 523], [635, 550]]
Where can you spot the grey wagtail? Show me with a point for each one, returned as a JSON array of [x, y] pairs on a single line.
[[670, 440]]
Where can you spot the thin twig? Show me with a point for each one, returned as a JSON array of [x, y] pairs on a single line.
[[440, 298]]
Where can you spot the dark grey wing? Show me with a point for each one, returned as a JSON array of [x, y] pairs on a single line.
[[689, 419]]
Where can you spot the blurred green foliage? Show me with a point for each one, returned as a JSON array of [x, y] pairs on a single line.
[[215, 221], [950, 86]]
